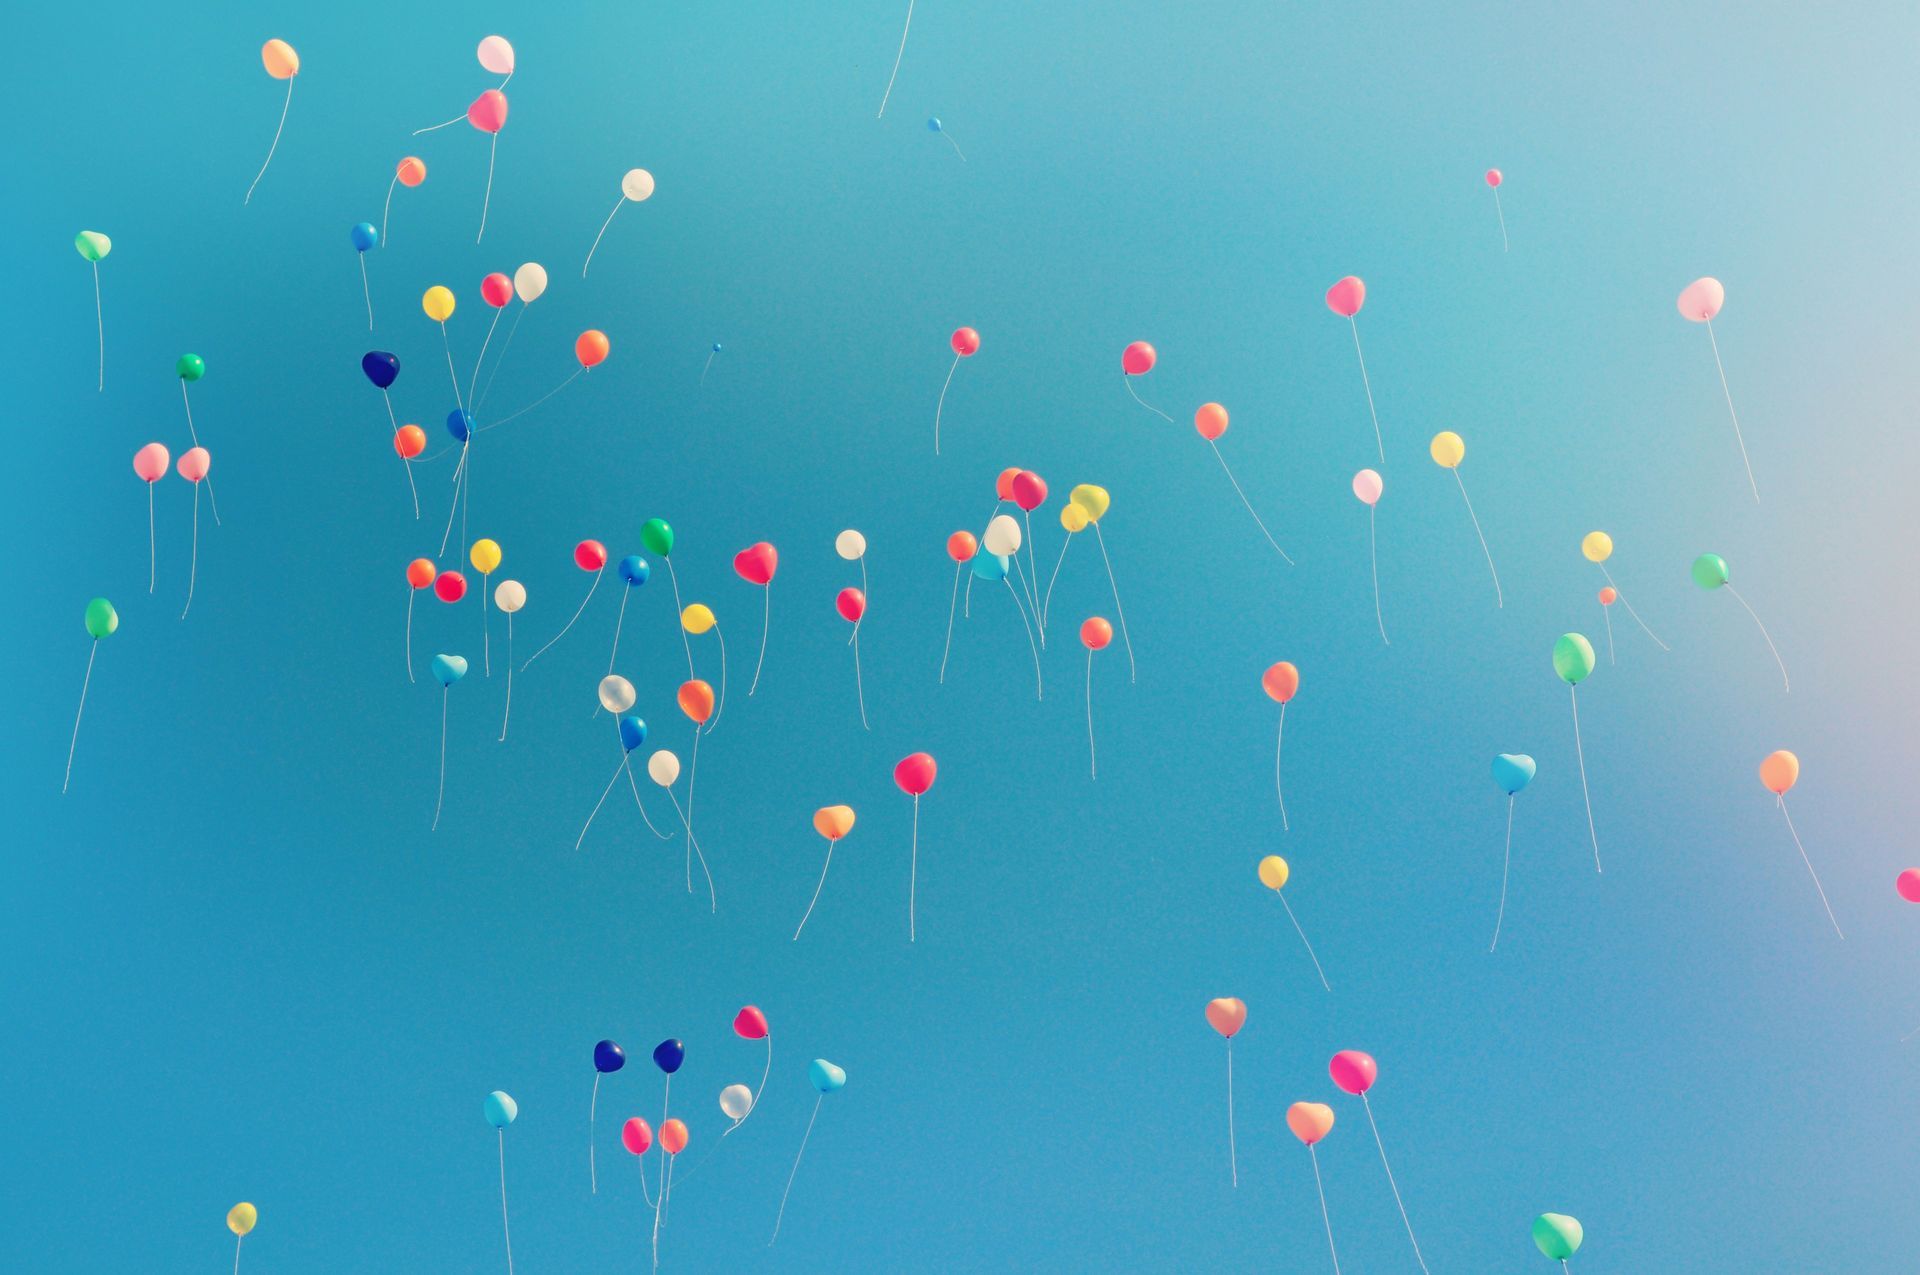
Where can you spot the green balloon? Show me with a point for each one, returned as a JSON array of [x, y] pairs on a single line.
[[1709, 570], [102, 619], [1572, 658], [92, 245], [1557, 1235], [657, 536], [190, 367]]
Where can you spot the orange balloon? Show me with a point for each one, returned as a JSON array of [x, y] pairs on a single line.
[[1608, 596], [833, 822], [409, 441], [281, 61], [673, 1136], [420, 573], [591, 347], [1280, 682], [961, 546], [412, 171], [1210, 420], [1095, 633], [696, 700], [1780, 771]]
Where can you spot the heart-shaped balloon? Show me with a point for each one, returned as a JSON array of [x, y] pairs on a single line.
[[1701, 300], [1310, 1121], [1512, 771], [756, 563], [668, 1055], [1227, 1015], [608, 1056], [449, 669], [1347, 296], [750, 1024], [1353, 1071], [489, 111], [825, 1076], [382, 368]]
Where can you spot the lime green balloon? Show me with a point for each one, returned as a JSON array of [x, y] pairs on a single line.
[[92, 245], [102, 619], [657, 536], [1709, 570], [1572, 658], [1557, 1235], [190, 367]]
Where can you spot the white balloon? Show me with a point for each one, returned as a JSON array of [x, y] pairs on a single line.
[[616, 693], [530, 281], [496, 55], [510, 595], [663, 768], [736, 1101], [637, 185], [850, 545], [1003, 535]]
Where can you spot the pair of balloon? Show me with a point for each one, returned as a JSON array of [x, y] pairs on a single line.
[[668, 1055], [150, 463], [1353, 1072], [636, 1135], [1021, 486], [914, 774]]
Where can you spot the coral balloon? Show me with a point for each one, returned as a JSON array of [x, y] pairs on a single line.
[[1493, 177], [1095, 633], [961, 546], [1609, 595], [1003, 483], [591, 347], [411, 171], [1210, 420], [1281, 682], [1310, 1121], [281, 61], [1227, 1015], [1353, 1071], [420, 572], [833, 822], [673, 1137], [1138, 359], [965, 342], [409, 441], [696, 700], [1779, 771]]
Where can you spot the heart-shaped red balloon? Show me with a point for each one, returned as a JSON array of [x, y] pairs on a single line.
[[750, 1024], [756, 563]]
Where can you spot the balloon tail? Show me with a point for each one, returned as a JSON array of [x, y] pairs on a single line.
[[1368, 384], [1580, 754], [411, 489], [956, 146], [1118, 610], [507, 712], [1635, 614], [1506, 865], [459, 475], [673, 578], [1910, 1035], [766, 622], [410, 592], [1785, 685], [486, 631], [474, 379], [1501, 213], [721, 711], [505, 346], [1227, 470], [816, 890], [193, 561], [1093, 759], [662, 1198], [452, 375], [1499, 598], [1033, 600], [898, 54], [913, 870], [1039, 691], [441, 796], [596, 241], [1046, 603], [196, 442], [152, 552], [366, 290], [603, 801], [1033, 583], [713, 900], [863, 593], [693, 777], [1391, 1183], [276, 143], [1781, 801], [1279, 738], [506, 1227], [75, 742], [1325, 1218], [1606, 613], [941, 406], [1373, 551], [703, 381], [1233, 1154], [563, 632], [778, 1217], [1128, 379], [435, 127], [646, 1191], [593, 1108], [952, 607], [100, 321], [618, 623], [1303, 942], [388, 208], [859, 687], [664, 836], [238, 1240], [1730, 412], [487, 199]]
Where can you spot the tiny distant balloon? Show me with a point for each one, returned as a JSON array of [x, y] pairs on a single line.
[[282, 63], [1596, 546], [1493, 177], [1779, 771], [364, 236], [1908, 885], [1210, 420], [411, 171], [637, 185], [242, 1218]]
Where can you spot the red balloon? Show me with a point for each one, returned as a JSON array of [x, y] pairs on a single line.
[[496, 290], [756, 563], [750, 1024], [915, 773], [590, 555], [961, 546], [450, 586], [1137, 359], [1029, 490], [1908, 884], [1003, 485], [1353, 1071], [965, 341], [409, 441], [1095, 633], [852, 604]]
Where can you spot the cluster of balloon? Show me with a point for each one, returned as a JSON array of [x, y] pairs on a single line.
[[1274, 874], [1355, 1072], [1573, 661], [1494, 178], [635, 187], [1596, 547], [1699, 302], [1227, 1015], [501, 1110], [833, 823], [756, 564], [509, 596], [101, 620], [826, 1078], [1029, 492], [1002, 543], [1558, 1237], [1210, 421], [1138, 360], [1512, 771], [914, 774], [1367, 486], [488, 113], [965, 343], [1779, 771], [852, 606], [409, 172], [664, 768], [485, 556], [282, 63], [1310, 1122], [189, 368], [447, 669], [749, 1024], [709, 363], [150, 465], [382, 369], [935, 126], [241, 1219], [616, 695], [1281, 682], [364, 237], [93, 247], [1448, 449], [529, 283], [668, 1056], [607, 1059], [1095, 635], [695, 699], [961, 547], [1710, 573], [696, 620], [1345, 298], [193, 466], [588, 555]]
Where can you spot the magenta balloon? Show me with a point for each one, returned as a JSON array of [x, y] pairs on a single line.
[[1701, 299], [1353, 1071], [489, 111], [1908, 883], [1347, 296]]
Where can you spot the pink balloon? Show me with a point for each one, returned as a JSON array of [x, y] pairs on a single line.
[[1702, 299], [1493, 177], [1368, 485], [1353, 1071], [1908, 883], [193, 465], [965, 341], [1347, 296], [1227, 1015], [150, 462], [1138, 359], [496, 290], [489, 111], [750, 1023], [589, 555], [636, 1135]]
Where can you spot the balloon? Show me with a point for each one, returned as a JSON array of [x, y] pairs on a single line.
[[657, 536], [663, 768], [1710, 571], [150, 462], [364, 236], [194, 463], [437, 301], [825, 1076], [1138, 359], [382, 368], [591, 347], [965, 341], [1227, 1015], [933, 124], [501, 1109], [1609, 595], [696, 700], [1095, 633], [756, 563], [1310, 1121], [1597, 546], [489, 111], [1512, 771], [94, 246], [1448, 449], [189, 367], [496, 290], [850, 545], [915, 773], [281, 61], [496, 55], [1274, 872], [1779, 771], [833, 822], [991, 566], [529, 281], [673, 1136], [1572, 658], [635, 570], [409, 441], [449, 669], [633, 732], [1367, 485], [736, 1101], [1029, 490], [616, 693], [636, 1135], [1493, 177], [961, 545], [510, 595], [852, 604], [420, 572], [1003, 483], [102, 619], [697, 619], [1003, 535], [1073, 518], [608, 1056], [1281, 682], [1557, 1236], [485, 556], [242, 1218], [590, 555], [750, 1023], [1908, 884], [668, 1055], [716, 347], [1210, 420], [460, 425], [1346, 297], [1352, 1070], [450, 586], [411, 171], [1701, 300], [637, 185]]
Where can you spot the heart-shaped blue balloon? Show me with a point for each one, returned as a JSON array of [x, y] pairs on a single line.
[[825, 1076], [668, 1055], [608, 1056], [1512, 771], [382, 369], [449, 668], [991, 566]]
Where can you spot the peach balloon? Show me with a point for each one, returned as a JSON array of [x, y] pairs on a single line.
[[1003, 483], [412, 171], [1138, 359], [1908, 884], [961, 546], [1367, 485], [150, 462], [833, 822], [489, 111], [1310, 1121], [1227, 1015], [673, 1136], [1494, 177], [1210, 420], [1702, 299], [1281, 682], [1609, 595], [281, 61], [1780, 771], [591, 347], [1346, 297], [1095, 633], [194, 464]]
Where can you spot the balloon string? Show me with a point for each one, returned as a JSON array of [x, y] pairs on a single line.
[[1499, 598], [721, 711], [1606, 613], [1630, 611], [1580, 753], [576, 615], [693, 776], [618, 623], [276, 143], [152, 552], [365, 290], [1093, 760], [1788, 686], [507, 712], [388, 208], [475, 377], [1233, 1154], [441, 796], [100, 321], [1249, 504], [452, 375], [1730, 412], [392, 420], [1503, 218], [1373, 549], [966, 605], [237, 1242], [673, 578], [667, 1199], [766, 622], [434, 127], [1781, 801], [703, 381], [1128, 379], [816, 890], [603, 800], [913, 869], [796, 1168], [1325, 1218], [1368, 384], [505, 346], [713, 900], [193, 563], [1506, 865], [459, 474], [415, 491], [410, 592], [505, 1226], [1118, 610], [1033, 601], [1039, 691], [939, 407], [898, 54], [665, 1097], [646, 1191], [864, 592], [859, 688], [664, 836], [75, 742], [1303, 940], [1391, 1183], [956, 146], [487, 199], [596, 238], [952, 607], [486, 631], [593, 1109], [1279, 738], [196, 442], [1033, 593], [1046, 603]]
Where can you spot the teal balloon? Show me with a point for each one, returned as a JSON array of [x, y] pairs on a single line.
[[1572, 658], [189, 367], [991, 566], [1710, 571], [657, 536], [364, 236], [102, 619], [825, 1076], [449, 668], [92, 245], [1557, 1235], [1512, 771], [501, 1109]]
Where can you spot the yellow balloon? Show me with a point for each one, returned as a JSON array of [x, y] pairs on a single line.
[[1448, 449], [1073, 518], [241, 1218], [1273, 872], [1597, 545], [697, 619], [485, 556], [438, 303], [1093, 500]]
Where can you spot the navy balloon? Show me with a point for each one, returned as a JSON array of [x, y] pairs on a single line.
[[460, 425], [668, 1055], [633, 732], [364, 236], [634, 569], [382, 369], [608, 1056]]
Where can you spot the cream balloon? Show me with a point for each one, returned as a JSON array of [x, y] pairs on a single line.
[[850, 545], [616, 693], [663, 768], [529, 281], [736, 1101], [1003, 536], [637, 185], [510, 595]]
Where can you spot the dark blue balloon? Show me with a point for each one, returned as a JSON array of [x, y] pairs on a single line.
[[634, 569], [382, 369], [608, 1056], [668, 1055], [364, 236], [633, 732], [460, 425]]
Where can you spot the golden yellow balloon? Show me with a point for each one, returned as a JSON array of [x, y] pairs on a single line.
[[241, 1218], [1597, 545], [485, 556], [1073, 518], [1273, 872], [697, 619], [438, 303], [1448, 449], [1093, 500]]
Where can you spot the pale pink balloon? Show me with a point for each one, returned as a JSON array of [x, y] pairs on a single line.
[[194, 463], [489, 111], [1353, 1071], [1702, 299], [1227, 1015], [150, 462], [496, 55], [1347, 296], [1493, 177], [1368, 485], [1908, 883]]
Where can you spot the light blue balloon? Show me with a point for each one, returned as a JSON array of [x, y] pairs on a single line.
[[449, 668], [635, 569], [933, 124], [991, 566], [364, 236], [825, 1076], [716, 347], [1512, 771], [501, 1109]]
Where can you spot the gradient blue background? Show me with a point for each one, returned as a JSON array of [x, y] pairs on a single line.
[[239, 966]]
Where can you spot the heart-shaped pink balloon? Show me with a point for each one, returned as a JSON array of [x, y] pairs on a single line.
[[1353, 1071], [756, 563], [489, 111], [150, 462], [1310, 1121], [1347, 296], [1227, 1015], [1702, 299], [194, 464]]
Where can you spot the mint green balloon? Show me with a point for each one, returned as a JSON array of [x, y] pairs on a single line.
[[1710, 571], [1557, 1235], [1572, 658], [92, 245], [102, 619], [190, 367], [657, 536]]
